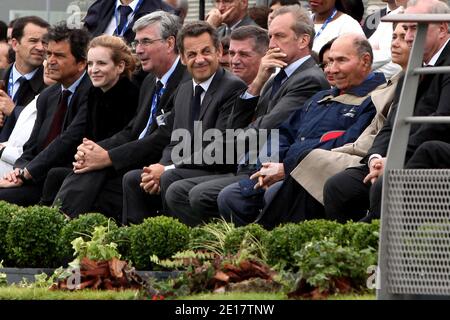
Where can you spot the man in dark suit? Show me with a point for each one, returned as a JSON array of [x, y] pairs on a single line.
[[211, 95], [265, 105], [96, 183], [118, 16], [349, 194], [23, 79], [60, 120], [229, 15]]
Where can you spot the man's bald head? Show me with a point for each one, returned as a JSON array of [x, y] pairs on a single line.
[[351, 59]]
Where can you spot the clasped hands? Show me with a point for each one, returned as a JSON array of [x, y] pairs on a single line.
[[269, 174], [376, 167], [89, 157]]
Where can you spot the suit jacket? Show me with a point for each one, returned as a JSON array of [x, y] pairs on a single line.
[[124, 148], [269, 113], [246, 21], [319, 165], [215, 109], [26, 93], [39, 159], [101, 12], [433, 96]]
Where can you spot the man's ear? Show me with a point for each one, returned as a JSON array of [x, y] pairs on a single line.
[[14, 44], [183, 59], [367, 60], [171, 42]]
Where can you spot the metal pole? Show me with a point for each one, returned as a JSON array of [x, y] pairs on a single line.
[[48, 10], [201, 10]]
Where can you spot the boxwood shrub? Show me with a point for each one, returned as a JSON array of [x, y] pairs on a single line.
[[7, 211], [122, 237], [161, 236], [289, 238], [234, 239], [82, 226], [33, 237]]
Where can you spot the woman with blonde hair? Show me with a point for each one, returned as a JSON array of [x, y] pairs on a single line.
[[112, 100]]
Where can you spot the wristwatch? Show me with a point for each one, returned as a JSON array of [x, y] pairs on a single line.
[[21, 175]]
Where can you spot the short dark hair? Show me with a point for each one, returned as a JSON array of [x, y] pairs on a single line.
[[325, 47], [20, 24], [78, 39], [285, 2], [195, 29], [258, 34], [3, 31]]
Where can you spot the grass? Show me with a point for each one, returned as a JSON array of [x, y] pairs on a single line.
[[266, 296], [16, 293]]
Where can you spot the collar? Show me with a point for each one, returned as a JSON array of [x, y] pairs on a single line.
[[165, 78], [74, 85], [235, 25], [295, 65], [373, 80], [205, 84], [16, 74], [435, 58], [132, 5]]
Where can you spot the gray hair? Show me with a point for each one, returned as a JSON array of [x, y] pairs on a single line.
[[303, 23], [434, 6], [258, 34], [169, 24], [362, 46]]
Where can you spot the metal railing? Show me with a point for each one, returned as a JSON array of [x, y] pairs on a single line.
[[414, 253]]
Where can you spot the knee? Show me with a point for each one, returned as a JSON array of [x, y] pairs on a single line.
[[131, 180], [330, 188], [172, 193], [167, 178]]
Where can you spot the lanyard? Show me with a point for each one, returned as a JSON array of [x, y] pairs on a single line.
[[130, 18], [333, 14]]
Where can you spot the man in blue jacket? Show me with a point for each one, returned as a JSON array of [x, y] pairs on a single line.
[[331, 118]]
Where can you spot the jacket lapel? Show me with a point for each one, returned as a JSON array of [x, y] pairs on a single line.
[[210, 93]]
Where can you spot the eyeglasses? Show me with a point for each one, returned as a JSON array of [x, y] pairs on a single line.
[[144, 42]]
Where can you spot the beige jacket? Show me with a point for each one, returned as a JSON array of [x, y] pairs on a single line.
[[319, 165]]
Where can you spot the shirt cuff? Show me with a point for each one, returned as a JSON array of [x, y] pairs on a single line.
[[172, 166], [246, 95], [373, 156]]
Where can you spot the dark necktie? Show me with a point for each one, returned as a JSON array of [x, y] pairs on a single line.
[[277, 81], [156, 97], [195, 103], [22, 87], [58, 118], [124, 12]]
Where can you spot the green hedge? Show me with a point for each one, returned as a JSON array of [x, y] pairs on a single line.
[[7, 211], [161, 236], [234, 239], [33, 237], [82, 226]]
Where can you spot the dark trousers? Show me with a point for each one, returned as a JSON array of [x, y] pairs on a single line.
[[430, 155], [194, 200], [26, 195], [240, 209], [137, 204], [99, 191], [292, 203], [345, 195]]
